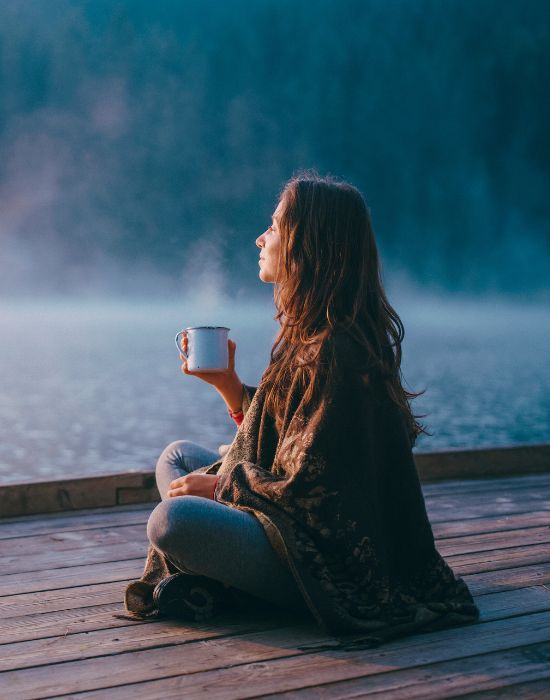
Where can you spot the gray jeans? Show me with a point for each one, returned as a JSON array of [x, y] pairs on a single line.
[[203, 537]]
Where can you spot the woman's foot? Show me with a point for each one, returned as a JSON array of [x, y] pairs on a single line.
[[190, 597]]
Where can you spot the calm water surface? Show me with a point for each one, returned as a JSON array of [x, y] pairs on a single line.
[[93, 388]]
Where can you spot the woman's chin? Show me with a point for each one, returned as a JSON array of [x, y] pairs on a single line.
[[264, 277]]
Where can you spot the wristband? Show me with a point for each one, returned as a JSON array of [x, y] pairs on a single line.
[[214, 489]]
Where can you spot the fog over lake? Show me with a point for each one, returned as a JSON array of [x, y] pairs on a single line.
[[95, 387], [144, 146]]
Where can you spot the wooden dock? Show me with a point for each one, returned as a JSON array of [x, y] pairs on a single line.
[[62, 576]]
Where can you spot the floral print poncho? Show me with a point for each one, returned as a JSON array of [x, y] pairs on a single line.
[[337, 492]]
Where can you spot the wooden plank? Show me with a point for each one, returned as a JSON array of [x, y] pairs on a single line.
[[259, 663], [77, 521], [496, 523], [506, 579], [531, 690], [494, 540], [67, 541], [139, 486], [439, 681], [540, 481], [483, 462], [489, 498], [62, 599], [77, 493], [515, 602], [50, 624], [52, 579], [499, 559], [101, 641], [78, 557], [459, 507], [73, 515]]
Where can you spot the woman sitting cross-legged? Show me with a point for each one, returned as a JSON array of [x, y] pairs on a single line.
[[316, 506]]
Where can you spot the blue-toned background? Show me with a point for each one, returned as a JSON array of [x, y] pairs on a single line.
[[143, 147]]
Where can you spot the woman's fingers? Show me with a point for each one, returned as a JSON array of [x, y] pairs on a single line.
[[183, 343], [176, 492], [194, 485], [231, 347], [184, 364], [178, 483]]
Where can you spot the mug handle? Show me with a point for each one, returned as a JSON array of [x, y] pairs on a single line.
[[179, 346]]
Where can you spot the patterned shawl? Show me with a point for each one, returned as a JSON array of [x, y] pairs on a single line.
[[337, 492]]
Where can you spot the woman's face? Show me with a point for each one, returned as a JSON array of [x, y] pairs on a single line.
[[270, 245]]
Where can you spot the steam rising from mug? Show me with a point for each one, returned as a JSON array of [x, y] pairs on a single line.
[[206, 348]]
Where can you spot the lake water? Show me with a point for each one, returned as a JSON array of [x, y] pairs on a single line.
[[91, 388]]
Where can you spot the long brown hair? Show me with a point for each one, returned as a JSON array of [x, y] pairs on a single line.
[[329, 281]]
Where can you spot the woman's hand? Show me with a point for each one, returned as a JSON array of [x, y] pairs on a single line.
[[194, 485], [226, 381]]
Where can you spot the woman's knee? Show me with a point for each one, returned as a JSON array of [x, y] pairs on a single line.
[[174, 453], [175, 521], [171, 463]]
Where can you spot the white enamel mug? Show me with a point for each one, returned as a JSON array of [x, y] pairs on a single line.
[[206, 348]]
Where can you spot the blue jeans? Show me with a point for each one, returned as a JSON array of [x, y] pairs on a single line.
[[203, 537]]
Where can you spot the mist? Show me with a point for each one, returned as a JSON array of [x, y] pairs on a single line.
[[144, 145]]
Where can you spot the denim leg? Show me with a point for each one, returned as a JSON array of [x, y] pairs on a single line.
[[207, 538], [178, 459]]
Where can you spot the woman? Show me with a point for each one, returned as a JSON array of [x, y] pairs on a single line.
[[316, 505]]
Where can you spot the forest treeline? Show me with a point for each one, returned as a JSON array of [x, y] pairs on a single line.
[[137, 137]]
